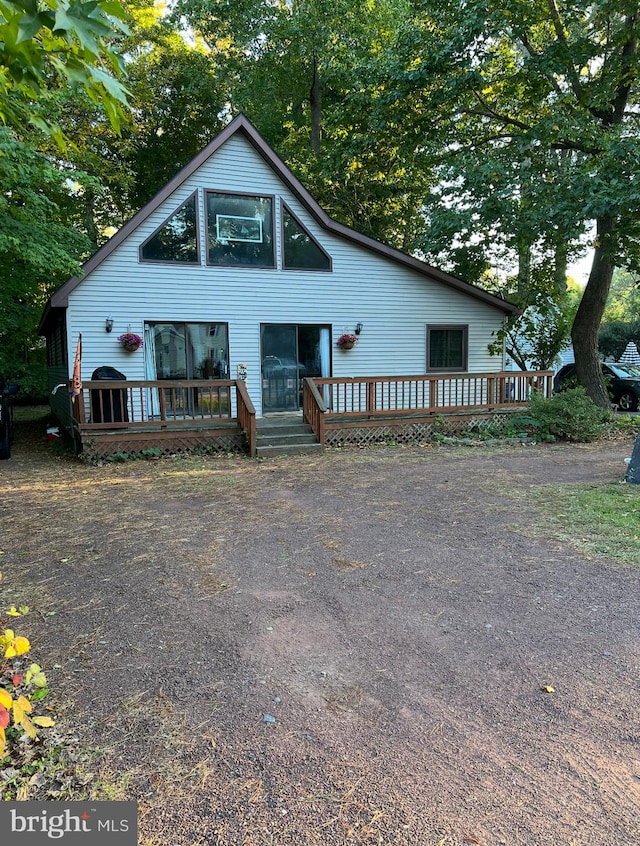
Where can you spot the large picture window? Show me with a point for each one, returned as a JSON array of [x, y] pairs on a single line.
[[447, 348], [177, 238], [240, 230]]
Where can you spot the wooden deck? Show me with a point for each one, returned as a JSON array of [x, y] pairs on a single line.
[[169, 416], [405, 408], [218, 415]]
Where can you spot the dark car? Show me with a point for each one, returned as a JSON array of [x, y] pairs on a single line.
[[623, 383], [7, 392]]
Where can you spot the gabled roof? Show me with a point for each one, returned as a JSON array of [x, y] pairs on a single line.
[[242, 126]]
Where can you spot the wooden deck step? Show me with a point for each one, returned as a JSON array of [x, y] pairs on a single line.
[[284, 436]]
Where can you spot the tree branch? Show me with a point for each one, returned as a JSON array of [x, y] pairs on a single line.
[[487, 111], [561, 35], [629, 51], [549, 77]]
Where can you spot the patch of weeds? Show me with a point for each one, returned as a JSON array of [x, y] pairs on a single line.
[[27, 759], [53, 768], [596, 520], [440, 424], [520, 426], [150, 453], [627, 424], [481, 430]]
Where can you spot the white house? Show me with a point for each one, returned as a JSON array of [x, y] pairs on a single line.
[[234, 263]]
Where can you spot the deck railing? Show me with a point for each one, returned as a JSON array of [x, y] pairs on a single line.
[[374, 396], [165, 404], [246, 415], [313, 407], [130, 404]]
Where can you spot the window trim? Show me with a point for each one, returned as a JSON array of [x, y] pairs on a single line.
[[285, 208], [198, 259], [461, 327], [252, 194]]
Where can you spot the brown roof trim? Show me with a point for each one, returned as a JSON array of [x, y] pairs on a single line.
[[60, 298]]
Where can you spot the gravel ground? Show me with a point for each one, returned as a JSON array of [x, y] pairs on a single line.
[[350, 648]]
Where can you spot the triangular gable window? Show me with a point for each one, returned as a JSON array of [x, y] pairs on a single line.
[[301, 250], [176, 239]]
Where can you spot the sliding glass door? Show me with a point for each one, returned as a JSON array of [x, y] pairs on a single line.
[[187, 351], [289, 353], [181, 351]]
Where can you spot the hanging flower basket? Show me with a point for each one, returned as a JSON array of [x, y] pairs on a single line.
[[347, 341], [130, 342]]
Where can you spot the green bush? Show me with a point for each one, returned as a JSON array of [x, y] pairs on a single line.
[[569, 416]]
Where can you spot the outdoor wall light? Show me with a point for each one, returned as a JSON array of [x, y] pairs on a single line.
[[108, 324], [358, 328]]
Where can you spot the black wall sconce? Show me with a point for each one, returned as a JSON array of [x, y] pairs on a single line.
[[108, 324], [358, 328]]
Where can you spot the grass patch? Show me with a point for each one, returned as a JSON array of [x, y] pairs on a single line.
[[601, 520]]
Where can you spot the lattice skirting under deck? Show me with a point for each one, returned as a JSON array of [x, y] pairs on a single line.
[[407, 432], [102, 446]]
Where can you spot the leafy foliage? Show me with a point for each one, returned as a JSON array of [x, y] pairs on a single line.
[[66, 42], [307, 73], [20, 686], [38, 250], [536, 337], [569, 416], [621, 322], [527, 111], [614, 336]]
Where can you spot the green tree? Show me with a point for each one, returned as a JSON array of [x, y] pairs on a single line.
[[47, 52], [38, 250], [623, 302], [62, 42], [302, 71], [536, 337], [531, 108], [176, 108], [621, 322]]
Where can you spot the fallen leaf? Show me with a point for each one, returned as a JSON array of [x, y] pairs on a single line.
[[546, 688], [45, 722]]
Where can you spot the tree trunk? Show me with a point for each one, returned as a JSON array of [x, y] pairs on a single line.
[[315, 100], [89, 217], [524, 268], [584, 332], [561, 253]]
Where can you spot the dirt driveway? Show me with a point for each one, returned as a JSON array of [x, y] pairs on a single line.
[[344, 649]]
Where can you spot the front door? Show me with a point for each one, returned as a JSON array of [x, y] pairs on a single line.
[[289, 353]]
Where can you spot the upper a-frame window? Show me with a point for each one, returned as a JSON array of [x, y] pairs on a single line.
[[300, 249], [240, 230], [177, 238]]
